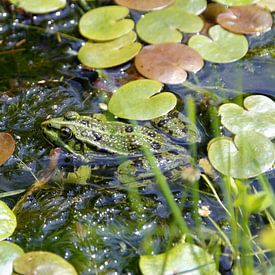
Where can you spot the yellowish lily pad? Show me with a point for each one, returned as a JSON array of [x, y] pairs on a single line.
[[7, 221], [39, 6], [258, 114], [237, 2], [141, 100], [109, 54], [105, 23], [145, 5], [43, 263], [222, 46], [249, 155]]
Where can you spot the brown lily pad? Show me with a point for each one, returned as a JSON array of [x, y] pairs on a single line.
[[245, 19], [145, 5], [168, 62], [7, 146], [212, 11]]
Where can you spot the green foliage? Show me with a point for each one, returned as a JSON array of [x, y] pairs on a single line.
[[141, 100], [222, 47], [39, 6], [105, 23], [109, 54], [258, 114], [237, 2], [182, 258]]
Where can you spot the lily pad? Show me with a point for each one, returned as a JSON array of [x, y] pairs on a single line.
[[40, 6], [105, 23], [7, 221], [267, 4], [222, 47], [145, 5], [182, 259], [109, 54], [8, 252], [167, 25], [237, 2], [168, 62], [7, 146], [246, 19], [141, 100], [42, 263], [257, 115], [190, 6], [212, 11], [249, 155]]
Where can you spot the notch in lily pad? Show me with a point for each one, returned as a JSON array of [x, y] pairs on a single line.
[[39, 6], [249, 155], [246, 19], [109, 54], [167, 25], [105, 23], [257, 114], [168, 62], [145, 5], [141, 100], [222, 46]]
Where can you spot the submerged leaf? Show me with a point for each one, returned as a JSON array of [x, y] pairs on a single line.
[[222, 47], [7, 146], [181, 259], [105, 23], [249, 155], [39, 6], [257, 115], [141, 100]]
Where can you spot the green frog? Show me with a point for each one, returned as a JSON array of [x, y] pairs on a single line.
[[88, 136]]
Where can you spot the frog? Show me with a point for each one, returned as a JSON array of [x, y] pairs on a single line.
[[90, 136]]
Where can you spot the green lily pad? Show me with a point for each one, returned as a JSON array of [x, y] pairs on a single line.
[[167, 25], [105, 23], [8, 252], [249, 155], [257, 115], [191, 6], [109, 54], [7, 221], [39, 6], [141, 100], [42, 263], [237, 2], [267, 4], [145, 5], [222, 47], [184, 258]]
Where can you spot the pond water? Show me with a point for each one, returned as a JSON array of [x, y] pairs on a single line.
[[97, 227]]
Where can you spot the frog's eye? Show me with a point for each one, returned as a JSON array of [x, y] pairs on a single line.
[[65, 132]]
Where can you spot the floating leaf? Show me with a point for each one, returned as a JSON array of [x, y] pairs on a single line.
[[105, 23], [42, 262], [166, 25], [141, 100], [267, 4], [109, 54], [145, 5], [267, 238], [236, 2], [249, 155], [8, 252], [39, 6], [212, 11], [258, 116], [181, 259], [246, 19], [254, 203], [7, 221], [168, 62], [190, 6], [7, 146], [222, 47]]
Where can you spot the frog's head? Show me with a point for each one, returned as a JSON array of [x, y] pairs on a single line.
[[62, 132]]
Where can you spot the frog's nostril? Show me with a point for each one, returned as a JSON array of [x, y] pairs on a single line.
[[49, 125]]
